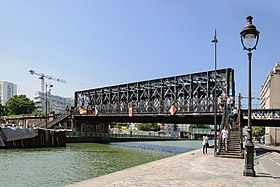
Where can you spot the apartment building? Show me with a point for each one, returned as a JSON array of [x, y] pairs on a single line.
[[270, 99], [7, 91], [54, 103]]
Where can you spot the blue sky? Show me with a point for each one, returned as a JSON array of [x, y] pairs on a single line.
[[96, 43]]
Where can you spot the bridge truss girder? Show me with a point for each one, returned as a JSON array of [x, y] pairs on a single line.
[[188, 93]]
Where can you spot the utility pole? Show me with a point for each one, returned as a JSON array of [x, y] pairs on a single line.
[[215, 41]]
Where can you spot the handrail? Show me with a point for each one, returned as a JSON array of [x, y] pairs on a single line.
[[240, 125], [111, 135], [58, 119], [55, 120], [240, 132], [222, 126]]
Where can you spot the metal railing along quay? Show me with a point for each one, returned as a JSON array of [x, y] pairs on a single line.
[[113, 135]]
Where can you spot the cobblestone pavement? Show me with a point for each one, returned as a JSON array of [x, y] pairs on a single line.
[[187, 169]]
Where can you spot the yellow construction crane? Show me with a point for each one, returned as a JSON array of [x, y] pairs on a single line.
[[42, 76]]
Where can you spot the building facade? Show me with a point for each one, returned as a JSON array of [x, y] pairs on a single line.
[[270, 99], [7, 91], [53, 103]]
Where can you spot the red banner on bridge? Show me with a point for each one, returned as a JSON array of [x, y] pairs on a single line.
[[130, 111], [173, 110]]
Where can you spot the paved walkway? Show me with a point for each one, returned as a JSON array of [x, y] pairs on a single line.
[[266, 147], [187, 169]]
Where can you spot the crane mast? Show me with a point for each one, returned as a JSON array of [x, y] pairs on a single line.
[[42, 76]]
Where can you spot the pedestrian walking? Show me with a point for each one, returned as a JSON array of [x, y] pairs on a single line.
[[230, 119], [224, 134], [229, 104], [205, 144], [235, 114], [222, 104], [232, 101]]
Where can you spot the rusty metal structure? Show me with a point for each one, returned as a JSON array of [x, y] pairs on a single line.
[[190, 93]]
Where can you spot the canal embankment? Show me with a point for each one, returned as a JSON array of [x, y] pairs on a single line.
[[23, 137]]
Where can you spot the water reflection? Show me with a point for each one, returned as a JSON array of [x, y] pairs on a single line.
[[163, 146], [77, 162]]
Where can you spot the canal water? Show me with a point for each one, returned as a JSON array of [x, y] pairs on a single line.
[[81, 161]]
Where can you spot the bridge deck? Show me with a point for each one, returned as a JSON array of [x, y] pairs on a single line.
[[263, 117], [194, 118]]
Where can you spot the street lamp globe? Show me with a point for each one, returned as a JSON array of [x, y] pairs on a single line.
[[250, 34]]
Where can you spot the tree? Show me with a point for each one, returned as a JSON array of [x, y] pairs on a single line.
[[258, 131], [20, 104], [192, 126], [39, 113], [2, 110], [148, 126], [120, 125]]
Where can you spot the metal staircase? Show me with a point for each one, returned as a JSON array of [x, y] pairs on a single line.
[[57, 120], [234, 146]]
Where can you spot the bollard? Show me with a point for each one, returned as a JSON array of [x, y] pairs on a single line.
[[256, 159]]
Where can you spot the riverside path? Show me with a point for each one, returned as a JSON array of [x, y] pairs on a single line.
[[188, 169]]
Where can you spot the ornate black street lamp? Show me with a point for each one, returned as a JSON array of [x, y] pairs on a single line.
[[215, 41], [47, 85], [250, 34]]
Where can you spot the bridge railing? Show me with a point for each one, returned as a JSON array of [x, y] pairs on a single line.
[[189, 106], [223, 121], [262, 114], [202, 131], [111, 135]]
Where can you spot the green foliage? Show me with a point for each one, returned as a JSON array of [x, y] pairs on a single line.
[[192, 126], [120, 125], [19, 104], [2, 110], [11, 116], [148, 126], [38, 113], [258, 131]]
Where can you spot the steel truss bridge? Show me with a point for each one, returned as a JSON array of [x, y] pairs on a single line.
[[262, 117], [151, 100]]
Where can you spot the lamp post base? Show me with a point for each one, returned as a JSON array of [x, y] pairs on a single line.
[[249, 172], [249, 160]]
